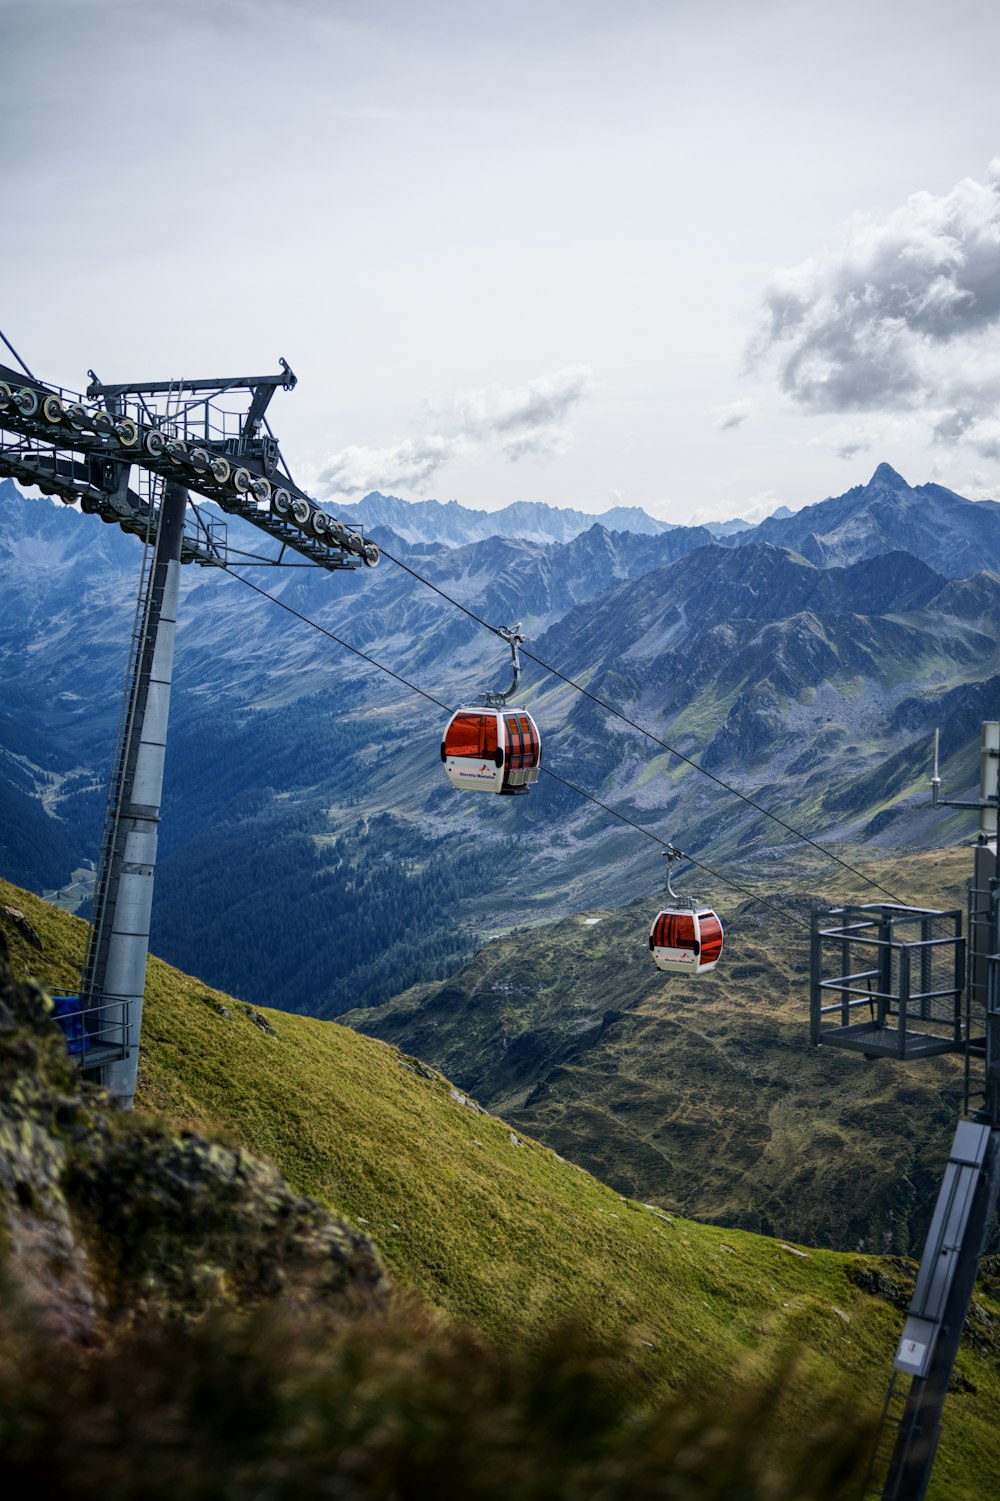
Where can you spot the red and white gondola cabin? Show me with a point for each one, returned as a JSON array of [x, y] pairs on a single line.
[[491, 750], [686, 940]]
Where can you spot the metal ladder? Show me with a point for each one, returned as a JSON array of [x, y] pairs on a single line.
[[887, 1457], [91, 987]]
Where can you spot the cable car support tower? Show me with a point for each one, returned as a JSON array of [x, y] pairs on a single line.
[[133, 454]]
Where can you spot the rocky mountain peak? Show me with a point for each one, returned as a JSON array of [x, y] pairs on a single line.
[[954, 536], [886, 477]]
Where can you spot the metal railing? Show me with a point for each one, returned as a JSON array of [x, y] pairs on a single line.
[[897, 975], [96, 1034]]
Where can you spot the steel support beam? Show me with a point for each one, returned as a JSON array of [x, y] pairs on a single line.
[[959, 1230], [115, 977]]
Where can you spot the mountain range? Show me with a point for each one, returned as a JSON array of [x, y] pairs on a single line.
[[304, 793], [955, 536], [452, 524], [313, 859]]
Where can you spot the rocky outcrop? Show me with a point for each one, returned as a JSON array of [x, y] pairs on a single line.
[[15, 919], [108, 1217]]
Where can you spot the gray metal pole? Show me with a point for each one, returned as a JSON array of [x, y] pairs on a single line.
[[967, 1201], [987, 879], [956, 1240], [115, 979]]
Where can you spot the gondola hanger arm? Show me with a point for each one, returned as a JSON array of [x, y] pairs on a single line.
[[672, 855], [514, 636]]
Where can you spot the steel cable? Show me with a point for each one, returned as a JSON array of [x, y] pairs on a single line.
[[431, 698], [610, 709]]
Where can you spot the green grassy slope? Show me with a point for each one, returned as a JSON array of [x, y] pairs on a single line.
[[496, 1229], [702, 1095]]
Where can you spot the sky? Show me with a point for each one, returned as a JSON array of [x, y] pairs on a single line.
[[703, 258]]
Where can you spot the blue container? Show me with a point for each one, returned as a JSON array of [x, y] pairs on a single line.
[[66, 1011]]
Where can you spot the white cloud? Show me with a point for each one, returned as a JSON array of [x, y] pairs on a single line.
[[506, 422], [983, 435], [405, 465], [976, 487], [755, 508], [765, 503], [901, 317], [523, 419], [870, 432], [851, 449], [732, 415]]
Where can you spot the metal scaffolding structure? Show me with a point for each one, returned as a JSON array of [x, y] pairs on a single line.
[[132, 453], [905, 984]]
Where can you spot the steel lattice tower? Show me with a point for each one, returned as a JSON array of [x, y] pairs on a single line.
[[132, 454]]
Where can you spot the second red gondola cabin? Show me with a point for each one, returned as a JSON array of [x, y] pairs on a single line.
[[686, 940]]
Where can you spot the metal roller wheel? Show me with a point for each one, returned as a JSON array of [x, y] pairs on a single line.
[[300, 511], [281, 503], [127, 432], [154, 443], [261, 489], [242, 480], [53, 409], [26, 402]]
